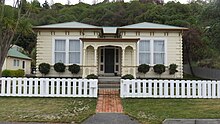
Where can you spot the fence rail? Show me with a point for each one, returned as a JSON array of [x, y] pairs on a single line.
[[170, 89], [48, 87]]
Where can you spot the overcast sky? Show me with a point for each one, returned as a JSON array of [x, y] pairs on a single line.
[[10, 2]]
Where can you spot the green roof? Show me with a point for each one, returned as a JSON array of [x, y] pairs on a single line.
[[78, 25], [13, 52], [147, 25], [68, 25]]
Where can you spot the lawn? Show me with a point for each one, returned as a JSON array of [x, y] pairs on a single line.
[[154, 111], [46, 109]]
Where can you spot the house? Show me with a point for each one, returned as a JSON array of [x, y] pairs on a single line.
[[107, 51], [16, 60]]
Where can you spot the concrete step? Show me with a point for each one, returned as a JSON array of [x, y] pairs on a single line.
[[109, 85], [109, 79]]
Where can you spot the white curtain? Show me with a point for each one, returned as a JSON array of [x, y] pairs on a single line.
[[159, 51], [74, 51], [144, 52], [60, 51]]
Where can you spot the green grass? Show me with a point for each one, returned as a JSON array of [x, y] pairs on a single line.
[[64, 110], [154, 111]]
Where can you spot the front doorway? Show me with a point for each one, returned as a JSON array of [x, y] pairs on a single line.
[[109, 60]]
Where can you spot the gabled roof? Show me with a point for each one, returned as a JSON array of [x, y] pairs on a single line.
[[13, 52], [147, 25], [67, 25], [110, 30]]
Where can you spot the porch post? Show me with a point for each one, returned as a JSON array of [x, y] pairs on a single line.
[[134, 61], [95, 60], [95, 57], [123, 61], [84, 62]]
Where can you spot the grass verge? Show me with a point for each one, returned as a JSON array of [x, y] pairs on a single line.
[[63, 110], [154, 111]]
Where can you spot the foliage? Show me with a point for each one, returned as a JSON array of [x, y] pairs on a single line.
[[74, 68], [44, 68], [59, 67], [159, 68], [128, 76], [172, 68], [92, 76], [143, 68], [13, 73]]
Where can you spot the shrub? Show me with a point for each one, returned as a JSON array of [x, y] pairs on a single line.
[[74, 68], [159, 68], [173, 68], [6, 73], [128, 76], [13, 73], [59, 67], [44, 68], [19, 73], [143, 68], [92, 76]]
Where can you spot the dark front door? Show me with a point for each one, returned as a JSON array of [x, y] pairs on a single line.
[[109, 60]]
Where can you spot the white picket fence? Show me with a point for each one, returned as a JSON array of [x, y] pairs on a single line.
[[170, 89], [48, 87]]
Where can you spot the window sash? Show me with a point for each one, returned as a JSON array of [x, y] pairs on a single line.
[[159, 52]]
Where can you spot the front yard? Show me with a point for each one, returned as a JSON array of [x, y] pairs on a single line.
[[46, 109], [154, 111]]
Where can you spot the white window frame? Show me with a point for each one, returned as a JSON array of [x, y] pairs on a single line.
[[66, 49], [151, 39]]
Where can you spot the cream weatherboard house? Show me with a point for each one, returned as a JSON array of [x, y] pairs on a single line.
[[16, 60], [106, 51]]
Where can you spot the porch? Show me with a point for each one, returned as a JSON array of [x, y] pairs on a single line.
[[109, 57]]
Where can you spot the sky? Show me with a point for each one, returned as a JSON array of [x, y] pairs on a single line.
[[10, 2]]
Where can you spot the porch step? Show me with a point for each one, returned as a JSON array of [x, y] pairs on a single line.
[[115, 85], [109, 79]]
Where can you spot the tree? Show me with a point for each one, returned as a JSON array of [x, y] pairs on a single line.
[[11, 22], [46, 5], [192, 41]]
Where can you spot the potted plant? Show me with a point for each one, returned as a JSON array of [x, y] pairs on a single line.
[[172, 69], [74, 68], [44, 68], [128, 76], [92, 76], [59, 67], [159, 68], [143, 68]]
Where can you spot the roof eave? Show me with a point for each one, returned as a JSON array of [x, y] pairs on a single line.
[[153, 29]]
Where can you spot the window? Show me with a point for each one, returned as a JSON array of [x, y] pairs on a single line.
[[152, 52], [23, 64], [144, 52], [74, 51], [159, 52], [67, 51], [60, 51], [16, 62]]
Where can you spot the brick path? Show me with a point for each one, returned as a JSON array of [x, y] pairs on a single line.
[[109, 101]]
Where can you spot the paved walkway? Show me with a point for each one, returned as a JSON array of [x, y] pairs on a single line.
[[109, 101], [110, 118]]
